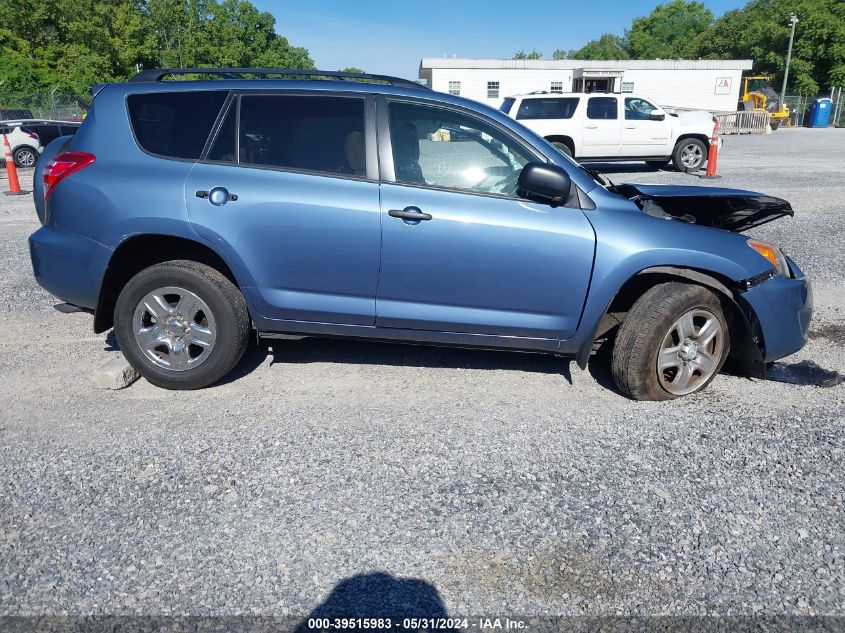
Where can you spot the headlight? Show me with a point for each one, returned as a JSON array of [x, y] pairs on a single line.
[[772, 254]]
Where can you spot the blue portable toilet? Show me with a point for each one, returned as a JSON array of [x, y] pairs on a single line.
[[820, 112]]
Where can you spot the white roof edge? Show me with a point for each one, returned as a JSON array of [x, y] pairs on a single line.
[[564, 64]]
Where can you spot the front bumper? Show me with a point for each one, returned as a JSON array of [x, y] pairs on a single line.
[[69, 266], [781, 310]]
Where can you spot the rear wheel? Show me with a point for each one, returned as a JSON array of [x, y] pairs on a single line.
[[563, 148], [774, 124], [673, 342], [25, 157], [181, 324], [690, 155]]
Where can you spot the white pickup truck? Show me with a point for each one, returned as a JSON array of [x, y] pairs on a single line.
[[602, 127]]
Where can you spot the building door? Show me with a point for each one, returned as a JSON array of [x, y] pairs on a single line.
[[596, 85]]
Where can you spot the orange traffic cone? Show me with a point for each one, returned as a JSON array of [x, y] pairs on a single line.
[[713, 154], [11, 171]]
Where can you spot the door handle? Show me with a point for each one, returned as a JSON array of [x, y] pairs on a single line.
[[630, 127], [409, 213], [217, 196], [591, 126]]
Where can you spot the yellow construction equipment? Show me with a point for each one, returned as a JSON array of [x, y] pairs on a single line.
[[759, 96]]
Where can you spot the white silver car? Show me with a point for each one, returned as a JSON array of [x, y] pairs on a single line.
[[25, 144], [615, 127]]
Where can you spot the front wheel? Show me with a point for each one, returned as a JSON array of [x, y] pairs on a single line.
[[673, 342], [181, 324], [690, 155], [774, 124]]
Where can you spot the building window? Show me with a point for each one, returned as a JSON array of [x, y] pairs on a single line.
[[627, 86], [557, 86], [492, 89], [454, 87]]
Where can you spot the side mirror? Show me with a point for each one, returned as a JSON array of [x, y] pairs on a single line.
[[544, 182], [656, 116]]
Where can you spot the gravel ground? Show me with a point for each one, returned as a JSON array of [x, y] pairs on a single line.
[[329, 473]]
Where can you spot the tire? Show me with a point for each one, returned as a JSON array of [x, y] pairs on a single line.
[[690, 155], [653, 325], [207, 324], [25, 157], [774, 124], [563, 147], [657, 164]]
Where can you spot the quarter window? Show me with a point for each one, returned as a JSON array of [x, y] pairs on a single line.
[[492, 89], [454, 87], [445, 149], [558, 108], [321, 134], [602, 108], [174, 124]]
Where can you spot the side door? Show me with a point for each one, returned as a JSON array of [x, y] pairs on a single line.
[[289, 190], [602, 127], [461, 252], [645, 131]]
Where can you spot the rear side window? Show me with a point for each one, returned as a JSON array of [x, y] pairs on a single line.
[[174, 124], [602, 108], [547, 108], [308, 133]]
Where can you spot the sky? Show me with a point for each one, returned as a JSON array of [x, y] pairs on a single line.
[[391, 36]]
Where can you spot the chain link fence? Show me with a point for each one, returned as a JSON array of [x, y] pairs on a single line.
[[54, 104], [799, 107]]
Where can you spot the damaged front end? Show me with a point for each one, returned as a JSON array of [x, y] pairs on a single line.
[[732, 210]]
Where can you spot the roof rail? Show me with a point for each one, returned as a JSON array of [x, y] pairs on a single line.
[[157, 74]]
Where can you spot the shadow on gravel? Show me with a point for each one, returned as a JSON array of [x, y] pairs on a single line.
[[316, 350], [378, 595]]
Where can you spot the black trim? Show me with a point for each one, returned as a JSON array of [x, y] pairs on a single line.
[[157, 74]]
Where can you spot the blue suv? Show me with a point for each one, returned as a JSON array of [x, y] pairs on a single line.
[[188, 213]]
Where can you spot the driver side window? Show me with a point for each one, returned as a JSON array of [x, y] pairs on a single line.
[[442, 148], [638, 109]]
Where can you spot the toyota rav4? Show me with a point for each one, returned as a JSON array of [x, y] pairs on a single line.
[[187, 214]]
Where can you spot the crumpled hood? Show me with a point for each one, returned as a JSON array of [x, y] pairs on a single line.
[[733, 210]]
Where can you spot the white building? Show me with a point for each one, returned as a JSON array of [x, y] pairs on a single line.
[[705, 84]]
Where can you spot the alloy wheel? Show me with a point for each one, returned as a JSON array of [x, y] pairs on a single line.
[[691, 352]]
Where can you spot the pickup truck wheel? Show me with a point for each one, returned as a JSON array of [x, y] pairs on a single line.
[[181, 324], [563, 147], [690, 155], [673, 342]]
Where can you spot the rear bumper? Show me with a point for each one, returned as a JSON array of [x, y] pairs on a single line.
[[782, 309], [67, 265]]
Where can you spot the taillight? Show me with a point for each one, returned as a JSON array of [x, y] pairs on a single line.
[[62, 166], [31, 135]]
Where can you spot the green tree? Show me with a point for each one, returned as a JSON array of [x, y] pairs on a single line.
[[523, 55], [670, 31], [608, 46], [352, 69], [760, 31], [561, 53]]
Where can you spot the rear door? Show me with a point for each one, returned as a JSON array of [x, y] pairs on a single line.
[[299, 206], [602, 128]]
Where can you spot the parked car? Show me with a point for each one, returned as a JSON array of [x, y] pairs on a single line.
[[25, 144], [28, 137], [615, 127], [49, 129], [187, 214], [7, 114]]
